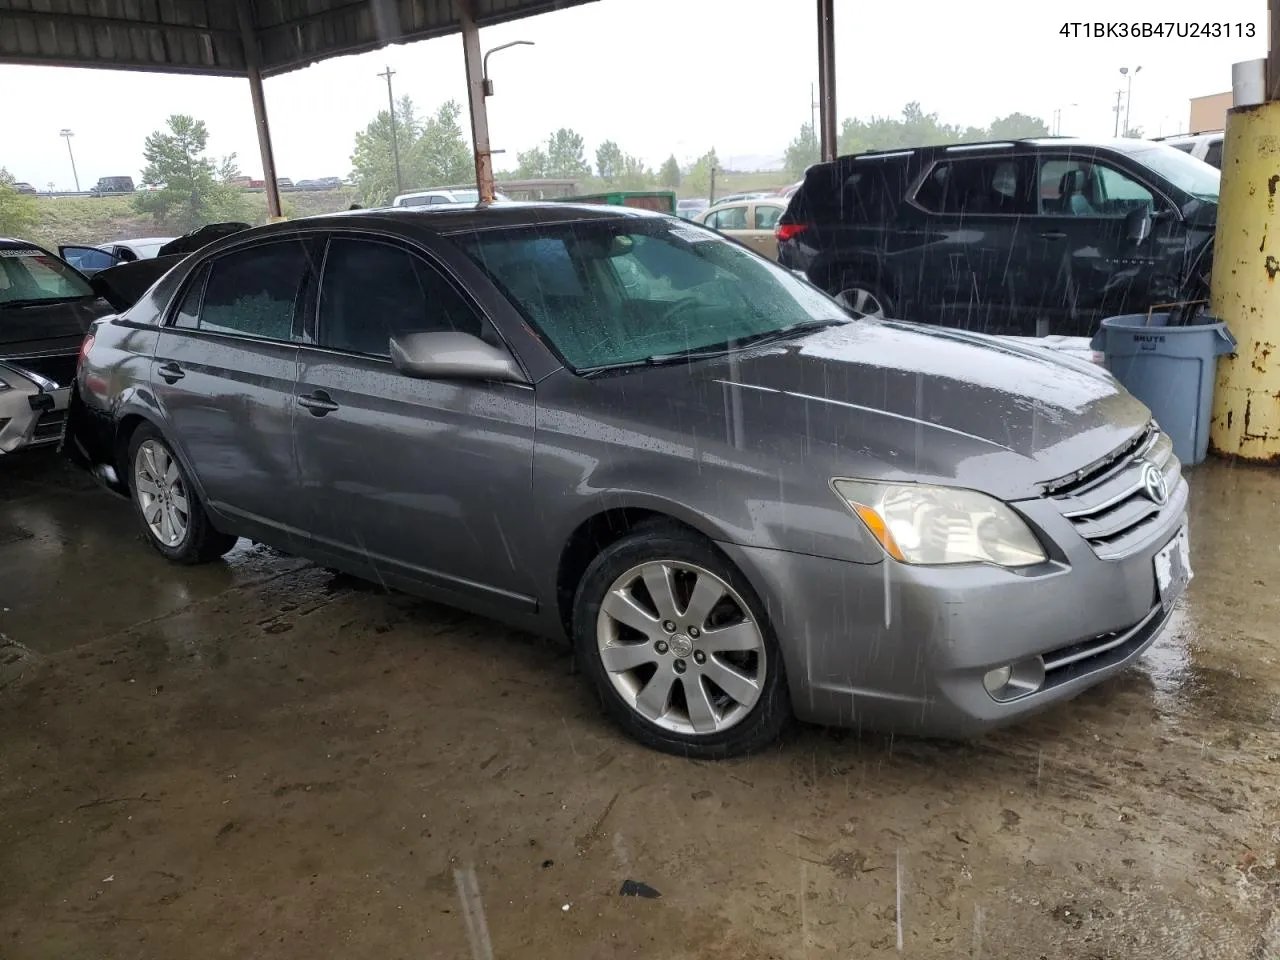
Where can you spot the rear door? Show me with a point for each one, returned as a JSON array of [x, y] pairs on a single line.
[[405, 478], [1080, 258], [223, 375]]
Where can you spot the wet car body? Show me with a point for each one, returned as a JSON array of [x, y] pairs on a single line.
[[39, 343], [998, 247], [496, 495]]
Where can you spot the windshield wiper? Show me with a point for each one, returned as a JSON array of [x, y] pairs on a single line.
[[706, 353]]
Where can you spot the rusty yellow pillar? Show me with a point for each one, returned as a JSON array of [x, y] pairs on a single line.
[[1246, 286]]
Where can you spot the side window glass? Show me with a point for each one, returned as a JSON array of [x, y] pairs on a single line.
[[712, 220], [1065, 188], [767, 217], [981, 185], [733, 218], [188, 315], [1118, 194], [253, 292], [373, 291], [1213, 155]]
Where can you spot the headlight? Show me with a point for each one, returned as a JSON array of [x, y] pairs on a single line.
[[935, 525]]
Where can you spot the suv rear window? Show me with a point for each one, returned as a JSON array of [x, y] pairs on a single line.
[[850, 191], [977, 185]]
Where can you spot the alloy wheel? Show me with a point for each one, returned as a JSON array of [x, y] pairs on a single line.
[[861, 301], [162, 495], [681, 648]]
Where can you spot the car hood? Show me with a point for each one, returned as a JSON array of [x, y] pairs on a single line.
[[889, 400]]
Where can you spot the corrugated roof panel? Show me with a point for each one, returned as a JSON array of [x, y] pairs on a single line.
[[203, 36]]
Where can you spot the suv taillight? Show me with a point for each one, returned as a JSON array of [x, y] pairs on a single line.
[[85, 346], [788, 231]]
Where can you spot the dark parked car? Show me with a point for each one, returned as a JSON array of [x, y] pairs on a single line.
[[24, 187], [107, 185], [737, 500], [1031, 237], [45, 309]]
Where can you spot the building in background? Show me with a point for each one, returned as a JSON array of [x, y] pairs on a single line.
[[1209, 113]]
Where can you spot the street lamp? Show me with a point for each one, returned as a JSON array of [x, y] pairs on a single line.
[[1128, 97], [484, 69], [67, 135]]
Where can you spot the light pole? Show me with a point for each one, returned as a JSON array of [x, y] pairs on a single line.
[[484, 67], [67, 135], [1057, 118], [395, 146], [1128, 97]]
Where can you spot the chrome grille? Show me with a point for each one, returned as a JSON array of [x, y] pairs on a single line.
[[1107, 503]]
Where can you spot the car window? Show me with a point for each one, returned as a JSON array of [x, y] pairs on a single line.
[[372, 291], [730, 218], [32, 274], [1184, 147], [767, 216], [254, 292], [188, 315], [1083, 188], [627, 289], [1213, 155], [976, 185], [88, 258]]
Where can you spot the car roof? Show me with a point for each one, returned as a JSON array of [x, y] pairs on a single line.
[[1018, 147], [13, 243]]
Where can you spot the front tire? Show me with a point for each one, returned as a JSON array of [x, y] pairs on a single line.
[[676, 642], [173, 519]]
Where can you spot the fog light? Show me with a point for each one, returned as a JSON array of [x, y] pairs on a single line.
[[997, 679]]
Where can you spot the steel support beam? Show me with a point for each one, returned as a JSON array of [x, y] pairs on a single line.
[[827, 78], [253, 65], [476, 99]]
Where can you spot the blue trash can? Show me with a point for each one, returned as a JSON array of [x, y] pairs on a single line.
[[1170, 369]]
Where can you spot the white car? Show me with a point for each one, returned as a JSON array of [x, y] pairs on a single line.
[[427, 198], [1202, 146], [89, 260]]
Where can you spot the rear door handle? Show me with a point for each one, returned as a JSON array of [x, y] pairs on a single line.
[[170, 372], [319, 403], [1053, 235]]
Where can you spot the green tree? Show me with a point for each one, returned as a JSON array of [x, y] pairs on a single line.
[[441, 154], [228, 168], [1017, 126], [566, 155], [609, 161], [190, 195], [801, 153], [434, 152], [633, 174], [669, 175], [699, 178], [531, 164], [19, 212]]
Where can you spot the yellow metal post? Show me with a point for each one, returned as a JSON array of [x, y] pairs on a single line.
[[1246, 285]]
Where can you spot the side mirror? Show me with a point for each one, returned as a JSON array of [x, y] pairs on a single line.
[[444, 354], [1137, 225]]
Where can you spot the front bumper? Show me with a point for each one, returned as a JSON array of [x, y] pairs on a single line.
[[892, 647], [31, 416]]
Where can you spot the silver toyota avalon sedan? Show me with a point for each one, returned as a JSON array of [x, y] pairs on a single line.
[[740, 503]]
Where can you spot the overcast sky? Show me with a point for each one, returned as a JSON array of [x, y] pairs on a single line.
[[658, 76]]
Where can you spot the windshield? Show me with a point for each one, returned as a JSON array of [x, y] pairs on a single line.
[[30, 275], [622, 291], [1185, 172]]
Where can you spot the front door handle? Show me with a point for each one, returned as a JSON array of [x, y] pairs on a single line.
[[1053, 235], [170, 372], [319, 403]]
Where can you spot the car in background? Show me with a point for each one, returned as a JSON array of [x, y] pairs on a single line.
[[751, 222], [1030, 237], [240, 183], [46, 307], [427, 198], [601, 423], [691, 207], [737, 197], [23, 187], [1203, 146], [284, 183], [307, 185], [106, 185], [89, 260], [329, 183]]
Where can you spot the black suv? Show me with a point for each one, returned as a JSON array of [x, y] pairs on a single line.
[[113, 185], [1031, 237]]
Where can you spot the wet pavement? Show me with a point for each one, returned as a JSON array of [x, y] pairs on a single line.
[[260, 759]]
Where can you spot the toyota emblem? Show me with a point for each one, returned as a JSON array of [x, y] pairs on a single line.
[[1153, 484]]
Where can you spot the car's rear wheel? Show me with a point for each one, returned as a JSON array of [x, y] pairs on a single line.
[[172, 516], [862, 296], [676, 642]]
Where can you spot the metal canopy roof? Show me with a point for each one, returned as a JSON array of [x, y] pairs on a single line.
[[205, 36]]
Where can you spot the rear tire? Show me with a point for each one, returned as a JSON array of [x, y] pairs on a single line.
[[173, 519], [862, 294], [697, 671]]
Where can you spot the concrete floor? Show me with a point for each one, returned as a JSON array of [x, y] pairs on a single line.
[[258, 759]]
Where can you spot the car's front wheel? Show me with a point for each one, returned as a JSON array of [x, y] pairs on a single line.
[[167, 504], [676, 643]]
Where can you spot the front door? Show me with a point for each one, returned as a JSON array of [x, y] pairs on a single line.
[[408, 479], [223, 375], [764, 220], [1081, 257]]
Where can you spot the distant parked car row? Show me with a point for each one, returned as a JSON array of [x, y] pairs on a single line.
[[284, 183]]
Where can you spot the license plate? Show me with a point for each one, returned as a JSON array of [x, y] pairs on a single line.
[[1173, 568]]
